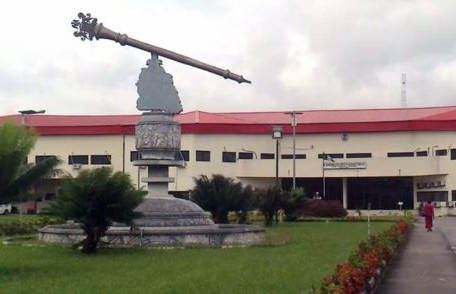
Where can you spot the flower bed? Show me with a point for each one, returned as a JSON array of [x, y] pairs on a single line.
[[363, 269]]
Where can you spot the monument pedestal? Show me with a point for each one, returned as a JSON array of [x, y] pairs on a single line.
[[158, 145]]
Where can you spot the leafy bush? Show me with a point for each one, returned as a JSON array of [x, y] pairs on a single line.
[[26, 226], [220, 195], [292, 202], [324, 208], [269, 201]]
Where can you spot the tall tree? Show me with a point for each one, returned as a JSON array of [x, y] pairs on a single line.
[[95, 199], [16, 176], [219, 195]]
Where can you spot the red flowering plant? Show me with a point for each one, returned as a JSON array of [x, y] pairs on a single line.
[[353, 275]]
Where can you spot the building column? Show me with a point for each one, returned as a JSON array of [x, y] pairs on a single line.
[[344, 193]]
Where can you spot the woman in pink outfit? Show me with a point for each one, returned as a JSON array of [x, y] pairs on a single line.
[[428, 216]]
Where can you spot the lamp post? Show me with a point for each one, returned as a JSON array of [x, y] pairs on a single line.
[[24, 114], [293, 125], [329, 158], [277, 135]]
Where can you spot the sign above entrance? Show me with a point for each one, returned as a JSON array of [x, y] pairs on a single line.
[[344, 165]]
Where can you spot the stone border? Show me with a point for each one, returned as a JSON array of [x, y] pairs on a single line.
[[192, 236]]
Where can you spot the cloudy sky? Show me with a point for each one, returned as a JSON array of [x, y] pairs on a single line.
[[298, 54]]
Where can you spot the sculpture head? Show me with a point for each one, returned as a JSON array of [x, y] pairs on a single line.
[[85, 26]]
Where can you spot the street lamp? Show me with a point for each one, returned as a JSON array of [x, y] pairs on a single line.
[[29, 111], [24, 113], [277, 135], [329, 158], [293, 124]]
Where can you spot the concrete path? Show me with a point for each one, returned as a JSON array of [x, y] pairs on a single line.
[[427, 263]]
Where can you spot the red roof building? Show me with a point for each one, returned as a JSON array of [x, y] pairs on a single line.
[[381, 156], [310, 121]]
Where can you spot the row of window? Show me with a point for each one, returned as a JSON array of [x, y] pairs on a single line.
[[104, 159], [433, 196], [440, 152], [203, 155]]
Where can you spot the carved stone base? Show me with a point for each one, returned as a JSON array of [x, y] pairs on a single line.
[[170, 212]]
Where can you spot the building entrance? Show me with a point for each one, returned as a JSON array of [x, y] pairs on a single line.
[[383, 193], [314, 186]]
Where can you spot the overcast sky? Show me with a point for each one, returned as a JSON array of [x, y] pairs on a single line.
[[298, 54]]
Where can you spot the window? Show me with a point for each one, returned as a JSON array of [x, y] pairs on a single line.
[[40, 158], [100, 159], [49, 196], [185, 155], [359, 155], [134, 155], [441, 152], [422, 153], [228, 156], [290, 156], [400, 154], [332, 155], [441, 196], [78, 159], [203, 155], [267, 156], [453, 154], [245, 155]]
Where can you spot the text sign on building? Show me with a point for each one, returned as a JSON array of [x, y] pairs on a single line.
[[344, 165]]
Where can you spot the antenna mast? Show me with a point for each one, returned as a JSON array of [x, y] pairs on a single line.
[[404, 91]]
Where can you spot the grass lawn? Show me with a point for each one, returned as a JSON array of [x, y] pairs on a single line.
[[298, 256], [16, 217]]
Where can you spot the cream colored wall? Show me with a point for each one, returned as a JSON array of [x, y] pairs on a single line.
[[262, 172], [63, 146]]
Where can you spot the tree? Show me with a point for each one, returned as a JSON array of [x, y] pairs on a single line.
[[293, 201], [269, 201], [16, 176], [95, 199], [220, 195]]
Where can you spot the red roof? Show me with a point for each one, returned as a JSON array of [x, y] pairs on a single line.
[[309, 121]]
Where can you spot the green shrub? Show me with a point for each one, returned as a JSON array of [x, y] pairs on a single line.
[[25, 226], [221, 195], [292, 202], [269, 202], [324, 208]]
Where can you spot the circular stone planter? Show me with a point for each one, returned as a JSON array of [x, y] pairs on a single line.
[[181, 236]]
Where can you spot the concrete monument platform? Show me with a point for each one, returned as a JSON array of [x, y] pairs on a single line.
[[166, 221]]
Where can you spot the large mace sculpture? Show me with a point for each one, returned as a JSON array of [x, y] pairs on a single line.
[[166, 220], [87, 28]]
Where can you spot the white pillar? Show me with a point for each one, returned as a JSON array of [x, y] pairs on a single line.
[[344, 193]]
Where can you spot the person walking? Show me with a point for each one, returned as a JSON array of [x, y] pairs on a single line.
[[428, 215]]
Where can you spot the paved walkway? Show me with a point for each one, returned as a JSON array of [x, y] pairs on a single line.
[[427, 264]]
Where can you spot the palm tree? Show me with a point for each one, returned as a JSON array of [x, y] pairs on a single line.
[[16, 176], [220, 195], [269, 201], [95, 199], [293, 201]]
